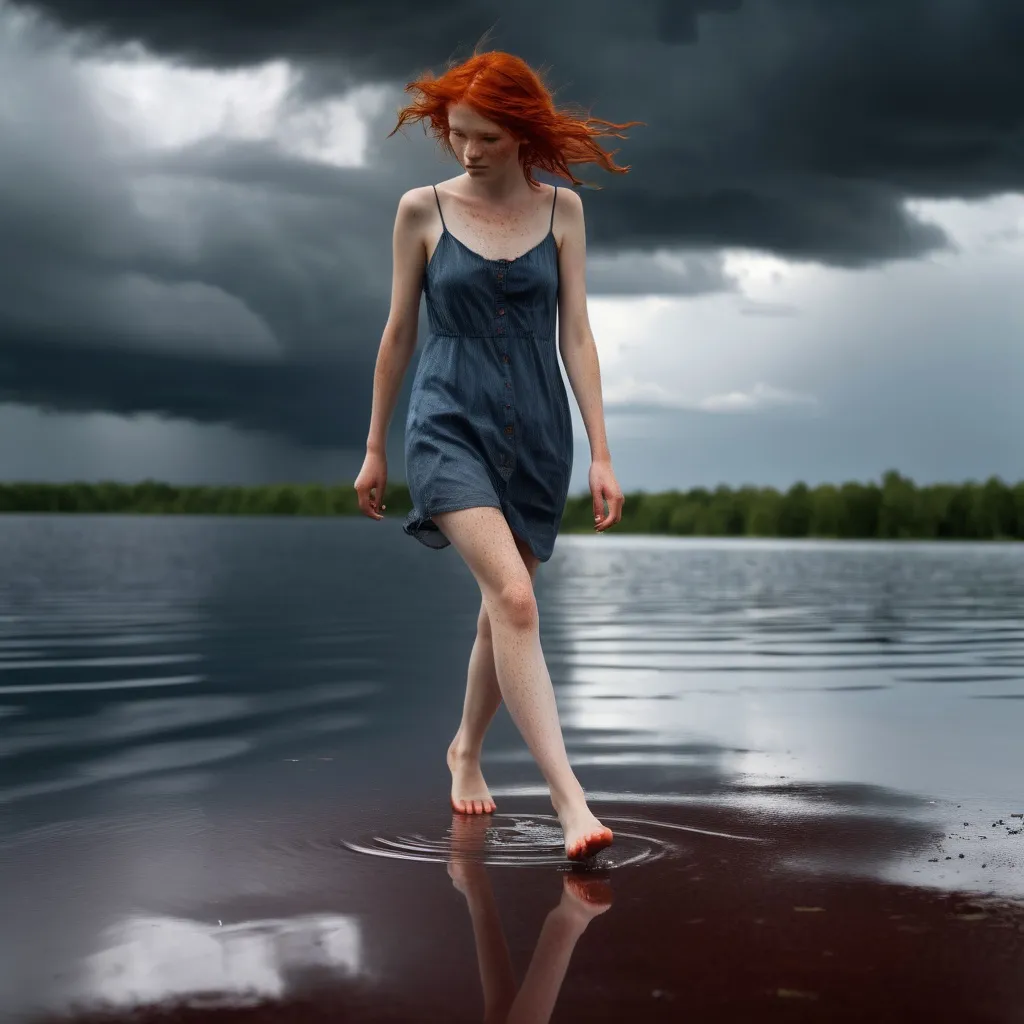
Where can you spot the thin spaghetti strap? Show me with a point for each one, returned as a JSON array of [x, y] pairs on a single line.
[[445, 226], [553, 199]]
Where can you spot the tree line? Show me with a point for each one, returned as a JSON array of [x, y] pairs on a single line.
[[894, 508]]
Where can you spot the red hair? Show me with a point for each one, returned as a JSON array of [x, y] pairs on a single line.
[[506, 90]]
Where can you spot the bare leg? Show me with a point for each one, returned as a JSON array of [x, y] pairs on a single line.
[[470, 794], [470, 877], [582, 901], [483, 539]]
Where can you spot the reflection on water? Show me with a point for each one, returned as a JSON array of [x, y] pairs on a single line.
[[153, 959], [219, 720], [583, 898]]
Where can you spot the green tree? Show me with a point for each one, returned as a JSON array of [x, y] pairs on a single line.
[[897, 509], [795, 512]]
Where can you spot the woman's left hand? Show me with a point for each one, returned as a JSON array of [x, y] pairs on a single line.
[[604, 487]]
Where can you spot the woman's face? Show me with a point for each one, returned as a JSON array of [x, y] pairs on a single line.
[[481, 146]]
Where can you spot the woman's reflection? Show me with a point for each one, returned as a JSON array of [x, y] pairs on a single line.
[[583, 899]]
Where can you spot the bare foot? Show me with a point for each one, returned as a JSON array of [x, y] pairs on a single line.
[[465, 866], [584, 834], [586, 898], [470, 794]]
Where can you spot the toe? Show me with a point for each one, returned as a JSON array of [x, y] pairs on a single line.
[[478, 807]]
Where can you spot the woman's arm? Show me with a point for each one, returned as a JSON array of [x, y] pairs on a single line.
[[397, 344], [579, 354], [398, 341]]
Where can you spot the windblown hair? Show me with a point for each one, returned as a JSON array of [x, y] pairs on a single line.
[[504, 89]]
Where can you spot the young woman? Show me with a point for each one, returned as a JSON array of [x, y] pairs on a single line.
[[488, 438]]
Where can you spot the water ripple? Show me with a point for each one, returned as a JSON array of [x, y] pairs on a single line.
[[535, 840]]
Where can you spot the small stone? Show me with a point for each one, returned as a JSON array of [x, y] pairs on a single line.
[[933, 860]]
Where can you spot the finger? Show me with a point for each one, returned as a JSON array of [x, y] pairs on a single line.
[[619, 502], [607, 519], [366, 505], [377, 501]]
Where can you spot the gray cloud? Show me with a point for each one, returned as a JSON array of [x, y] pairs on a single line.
[[232, 282], [633, 273], [780, 124], [309, 402]]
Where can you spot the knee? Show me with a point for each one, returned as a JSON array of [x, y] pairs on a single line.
[[517, 605]]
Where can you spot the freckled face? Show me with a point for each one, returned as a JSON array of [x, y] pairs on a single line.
[[481, 146]]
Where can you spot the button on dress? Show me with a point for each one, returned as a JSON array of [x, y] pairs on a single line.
[[488, 420]]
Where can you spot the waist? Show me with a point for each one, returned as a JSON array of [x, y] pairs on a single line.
[[492, 336]]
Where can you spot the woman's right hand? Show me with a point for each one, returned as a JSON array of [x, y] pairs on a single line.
[[370, 484]]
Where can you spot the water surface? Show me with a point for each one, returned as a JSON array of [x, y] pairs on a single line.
[[222, 776]]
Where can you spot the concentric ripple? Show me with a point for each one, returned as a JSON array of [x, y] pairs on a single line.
[[527, 840]]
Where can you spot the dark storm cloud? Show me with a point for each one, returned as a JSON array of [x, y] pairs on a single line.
[[786, 125], [308, 402], [791, 125]]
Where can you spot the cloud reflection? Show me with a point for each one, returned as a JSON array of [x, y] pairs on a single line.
[[153, 959]]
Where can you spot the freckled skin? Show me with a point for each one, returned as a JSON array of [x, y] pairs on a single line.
[[506, 661], [516, 672]]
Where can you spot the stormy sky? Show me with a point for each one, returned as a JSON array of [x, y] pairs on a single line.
[[813, 270]]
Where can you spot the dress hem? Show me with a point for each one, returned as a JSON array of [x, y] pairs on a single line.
[[421, 526]]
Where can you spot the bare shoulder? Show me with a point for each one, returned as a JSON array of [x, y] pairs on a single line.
[[568, 216], [569, 199], [574, 323], [409, 257], [415, 219], [415, 203]]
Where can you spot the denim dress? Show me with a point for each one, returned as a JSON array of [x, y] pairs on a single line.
[[488, 421]]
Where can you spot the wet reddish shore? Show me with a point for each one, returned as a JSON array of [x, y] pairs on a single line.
[[742, 915]]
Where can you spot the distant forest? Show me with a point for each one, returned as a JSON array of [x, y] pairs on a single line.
[[895, 508]]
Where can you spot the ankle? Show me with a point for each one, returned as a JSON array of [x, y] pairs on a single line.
[[568, 798], [464, 752]]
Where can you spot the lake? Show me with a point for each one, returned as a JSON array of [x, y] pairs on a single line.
[[223, 788]]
